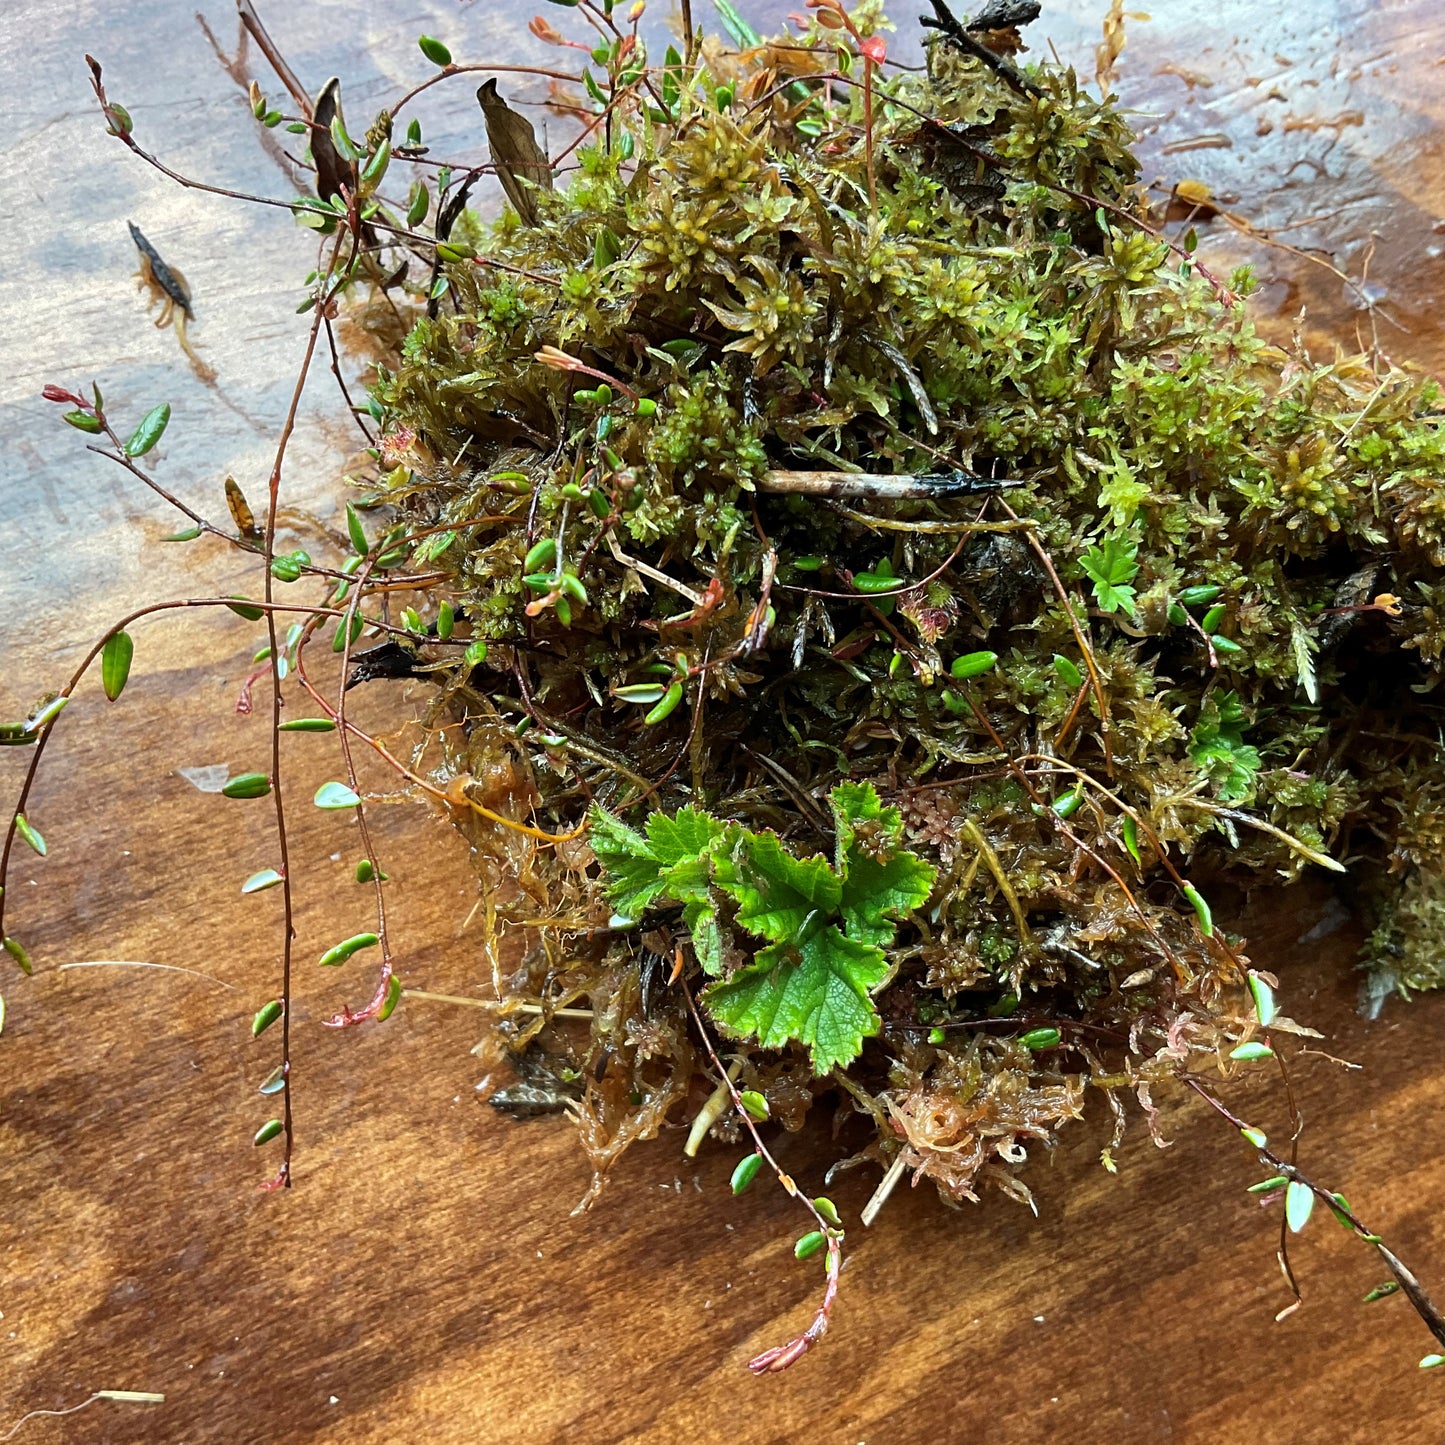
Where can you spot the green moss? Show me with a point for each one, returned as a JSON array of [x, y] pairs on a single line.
[[1213, 516]]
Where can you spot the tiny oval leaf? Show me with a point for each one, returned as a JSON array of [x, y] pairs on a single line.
[[150, 430], [115, 659]]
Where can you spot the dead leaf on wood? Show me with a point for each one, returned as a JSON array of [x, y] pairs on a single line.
[[515, 152]]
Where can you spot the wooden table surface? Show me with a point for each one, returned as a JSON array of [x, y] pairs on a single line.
[[424, 1280]]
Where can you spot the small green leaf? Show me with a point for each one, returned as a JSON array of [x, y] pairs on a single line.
[[606, 249], [1225, 644], [308, 725], [1257, 1137], [260, 882], [1201, 910], [876, 582], [541, 555], [1432, 1362], [434, 50], [30, 834], [375, 167], [274, 1082], [1381, 1291], [828, 1210], [1130, 830], [420, 204], [345, 146], [1068, 672], [476, 652], [115, 659], [289, 567], [266, 1015], [937, 1036], [1211, 619], [389, 1003], [356, 532], [16, 950], [810, 1244], [1251, 1050], [335, 796], [366, 871], [1268, 1186], [1047, 1038], [1198, 596], [1265, 1008], [446, 620], [1339, 1209], [972, 664], [47, 714], [746, 1172], [247, 785], [242, 607], [83, 421], [1111, 566], [755, 1104], [338, 953], [150, 430], [189, 534], [347, 633], [644, 694], [1299, 1204], [2, 1013], [667, 706], [267, 1132]]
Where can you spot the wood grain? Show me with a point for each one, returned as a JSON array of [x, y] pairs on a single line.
[[424, 1280]]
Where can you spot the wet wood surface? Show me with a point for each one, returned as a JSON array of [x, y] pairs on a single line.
[[424, 1280]]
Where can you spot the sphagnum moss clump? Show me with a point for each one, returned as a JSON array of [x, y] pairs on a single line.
[[908, 584]]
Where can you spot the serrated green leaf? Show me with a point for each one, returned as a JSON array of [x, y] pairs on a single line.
[[816, 992], [1217, 746], [115, 660], [856, 804], [689, 833], [876, 894], [778, 895], [628, 859], [1111, 566]]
